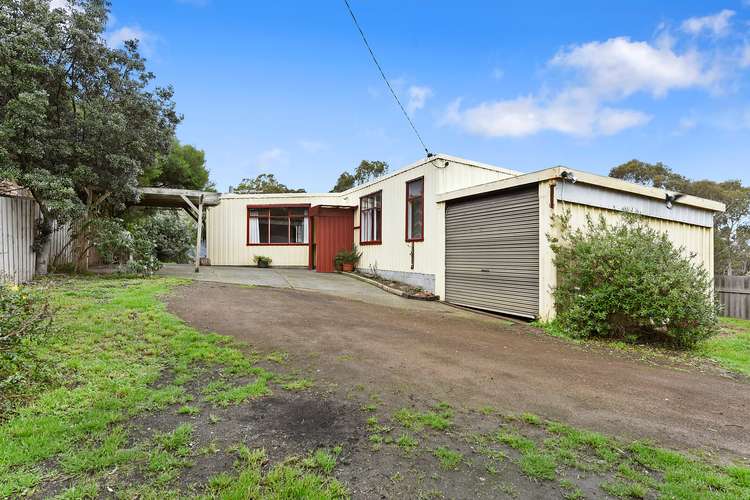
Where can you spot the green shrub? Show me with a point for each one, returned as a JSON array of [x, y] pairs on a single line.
[[173, 235], [629, 281], [25, 316], [132, 248]]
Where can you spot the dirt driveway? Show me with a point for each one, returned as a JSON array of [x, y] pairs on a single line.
[[470, 360]]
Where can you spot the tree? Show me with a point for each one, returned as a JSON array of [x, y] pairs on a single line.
[[344, 182], [184, 167], [75, 114], [263, 183], [731, 228], [365, 172], [656, 175]]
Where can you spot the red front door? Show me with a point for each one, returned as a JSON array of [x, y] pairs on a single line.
[[333, 231]]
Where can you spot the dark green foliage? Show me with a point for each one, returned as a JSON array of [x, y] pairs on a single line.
[[629, 281], [344, 182], [173, 235], [183, 167], [25, 316], [263, 183], [75, 113], [365, 172]]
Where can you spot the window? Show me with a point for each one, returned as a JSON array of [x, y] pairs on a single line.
[[277, 226], [370, 218], [415, 210]]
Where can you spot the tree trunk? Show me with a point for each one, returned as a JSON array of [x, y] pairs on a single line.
[[42, 257]]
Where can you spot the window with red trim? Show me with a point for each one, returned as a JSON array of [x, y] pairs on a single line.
[[415, 210], [371, 218], [277, 226]]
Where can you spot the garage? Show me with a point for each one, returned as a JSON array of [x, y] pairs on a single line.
[[492, 252]]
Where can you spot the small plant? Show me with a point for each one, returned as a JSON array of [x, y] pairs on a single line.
[[262, 260], [188, 410], [297, 385], [346, 260], [449, 459], [407, 443]]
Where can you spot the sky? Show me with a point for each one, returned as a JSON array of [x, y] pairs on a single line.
[[287, 87]]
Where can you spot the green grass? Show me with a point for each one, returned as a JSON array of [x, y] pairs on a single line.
[[278, 357], [731, 349], [413, 420], [635, 470], [226, 396], [538, 465], [188, 410], [297, 385], [113, 341], [322, 459], [281, 481], [449, 459], [109, 453], [407, 443]]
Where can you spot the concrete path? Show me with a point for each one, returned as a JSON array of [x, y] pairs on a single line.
[[299, 279]]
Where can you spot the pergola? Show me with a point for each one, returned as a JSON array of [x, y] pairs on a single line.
[[189, 200]]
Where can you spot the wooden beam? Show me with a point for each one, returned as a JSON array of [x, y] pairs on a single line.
[[191, 213], [199, 233], [190, 203]]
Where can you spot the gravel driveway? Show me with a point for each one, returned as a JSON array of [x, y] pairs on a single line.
[[472, 360]]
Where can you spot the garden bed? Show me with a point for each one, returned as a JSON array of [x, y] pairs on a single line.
[[395, 287]]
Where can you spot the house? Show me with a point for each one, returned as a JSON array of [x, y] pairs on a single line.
[[472, 233]]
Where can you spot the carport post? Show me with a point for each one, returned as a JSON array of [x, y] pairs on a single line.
[[199, 232]]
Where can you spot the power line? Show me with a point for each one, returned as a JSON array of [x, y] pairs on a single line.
[[385, 79]]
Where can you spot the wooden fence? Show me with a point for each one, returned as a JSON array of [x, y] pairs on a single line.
[[734, 295], [17, 260]]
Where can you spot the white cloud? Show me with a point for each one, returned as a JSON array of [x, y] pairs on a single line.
[[58, 4], [418, 96], [716, 25], [620, 67], [273, 157], [117, 37], [570, 112], [312, 146], [604, 73]]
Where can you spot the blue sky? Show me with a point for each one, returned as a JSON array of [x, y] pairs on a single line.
[[287, 87]]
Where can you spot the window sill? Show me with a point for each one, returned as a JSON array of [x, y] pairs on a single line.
[[414, 240], [276, 244], [370, 242]]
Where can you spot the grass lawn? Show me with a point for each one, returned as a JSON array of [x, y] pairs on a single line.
[[137, 404], [731, 349]]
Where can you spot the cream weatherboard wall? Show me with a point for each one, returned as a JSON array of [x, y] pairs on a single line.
[[697, 241], [226, 224], [392, 258], [226, 230]]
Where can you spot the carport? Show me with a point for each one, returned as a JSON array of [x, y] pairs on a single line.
[[192, 201]]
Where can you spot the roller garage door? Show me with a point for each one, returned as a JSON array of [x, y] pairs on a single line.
[[492, 252]]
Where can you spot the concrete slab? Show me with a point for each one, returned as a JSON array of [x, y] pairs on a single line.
[[300, 279]]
